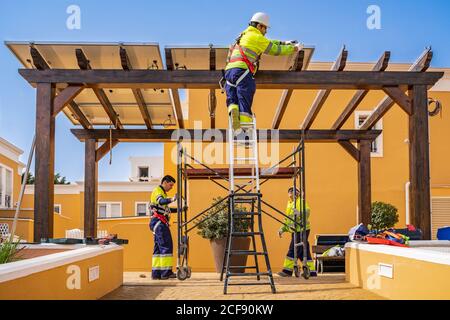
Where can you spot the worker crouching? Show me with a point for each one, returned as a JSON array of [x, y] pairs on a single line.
[[162, 261], [289, 261]]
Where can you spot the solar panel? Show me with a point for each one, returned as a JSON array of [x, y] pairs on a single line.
[[198, 58], [106, 56]]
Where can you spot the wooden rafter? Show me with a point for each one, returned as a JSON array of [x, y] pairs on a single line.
[[85, 64], [40, 64], [126, 65], [381, 65], [322, 95], [169, 135], [176, 102], [421, 65], [286, 94]]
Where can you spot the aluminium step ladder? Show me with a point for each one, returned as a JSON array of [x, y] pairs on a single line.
[[245, 204]]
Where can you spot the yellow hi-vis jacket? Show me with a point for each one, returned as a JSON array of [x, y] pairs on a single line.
[[253, 44], [290, 213]]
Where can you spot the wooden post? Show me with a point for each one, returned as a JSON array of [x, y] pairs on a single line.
[[44, 163], [419, 162], [364, 183], [90, 189]]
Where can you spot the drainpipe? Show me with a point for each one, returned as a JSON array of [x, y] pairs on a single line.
[[407, 185]]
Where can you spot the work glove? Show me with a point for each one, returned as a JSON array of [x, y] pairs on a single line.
[[299, 46], [280, 233], [175, 197], [291, 42]]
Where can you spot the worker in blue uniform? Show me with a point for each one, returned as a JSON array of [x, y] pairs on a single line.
[[242, 64], [162, 261]]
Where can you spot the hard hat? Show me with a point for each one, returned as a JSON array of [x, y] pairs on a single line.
[[261, 18]]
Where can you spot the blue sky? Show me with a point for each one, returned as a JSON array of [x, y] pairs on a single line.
[[407, 27]]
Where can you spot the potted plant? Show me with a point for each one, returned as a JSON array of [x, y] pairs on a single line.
[[214, 227], [9, 251], [383, 216]]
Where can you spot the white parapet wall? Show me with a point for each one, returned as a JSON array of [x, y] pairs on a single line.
[[421, 271]]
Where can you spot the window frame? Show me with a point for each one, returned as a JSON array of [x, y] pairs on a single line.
[[147, 210], [5, 168], [378, 126], [108, 209], [139, 173]]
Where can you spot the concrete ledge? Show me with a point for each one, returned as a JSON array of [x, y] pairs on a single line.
[[400, 273], [82, 272]]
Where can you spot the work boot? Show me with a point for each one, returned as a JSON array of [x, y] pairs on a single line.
[[283, 274], [235, 122], [172, 276]]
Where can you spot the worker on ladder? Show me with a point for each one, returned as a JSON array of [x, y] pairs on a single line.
[[162, 260], [288, 226], [242, 64]]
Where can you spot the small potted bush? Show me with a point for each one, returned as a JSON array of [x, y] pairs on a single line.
[[9, 251], [383, 215], [214, 227]]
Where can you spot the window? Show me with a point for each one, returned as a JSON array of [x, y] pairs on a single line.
[[143, 173], [6, 187], [57, 208], [142, 209], [377, 145], [110, 209]]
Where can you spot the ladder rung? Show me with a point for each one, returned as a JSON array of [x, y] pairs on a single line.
[[245, 177], [243, 267], [248, 274], [247, 252], [246, 234], [250, 283], [245, 159], [239, 214]]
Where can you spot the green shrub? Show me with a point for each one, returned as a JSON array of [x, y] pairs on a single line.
[[214, 225], [9, 251], [384, 216]]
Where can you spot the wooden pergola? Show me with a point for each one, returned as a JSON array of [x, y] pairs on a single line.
[[57, 89]]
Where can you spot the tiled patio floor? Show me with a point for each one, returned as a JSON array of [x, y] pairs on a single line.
[[207, 286]]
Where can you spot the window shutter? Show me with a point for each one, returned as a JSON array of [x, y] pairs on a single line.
[[440, 214]]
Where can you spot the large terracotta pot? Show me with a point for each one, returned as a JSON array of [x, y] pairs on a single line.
[[218, 248]]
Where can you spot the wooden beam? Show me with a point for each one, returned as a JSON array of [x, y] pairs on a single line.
[[126, 65], [65, 97], [380, 66], [44, 163], [421, 65], [350, 148], [79, 115], [400, 98], [364, 184], [322, 95], [286, 94], [170, 135], [212, 103], [90, 189], [105, 148], [205, 79], [169, 59], [419, 162], [177, 107], [40, 63], [85, 64]]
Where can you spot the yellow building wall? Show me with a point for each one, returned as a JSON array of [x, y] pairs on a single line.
[[331, 173], [16, 176]]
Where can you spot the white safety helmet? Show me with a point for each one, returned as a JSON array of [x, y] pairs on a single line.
[[262, 18]]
